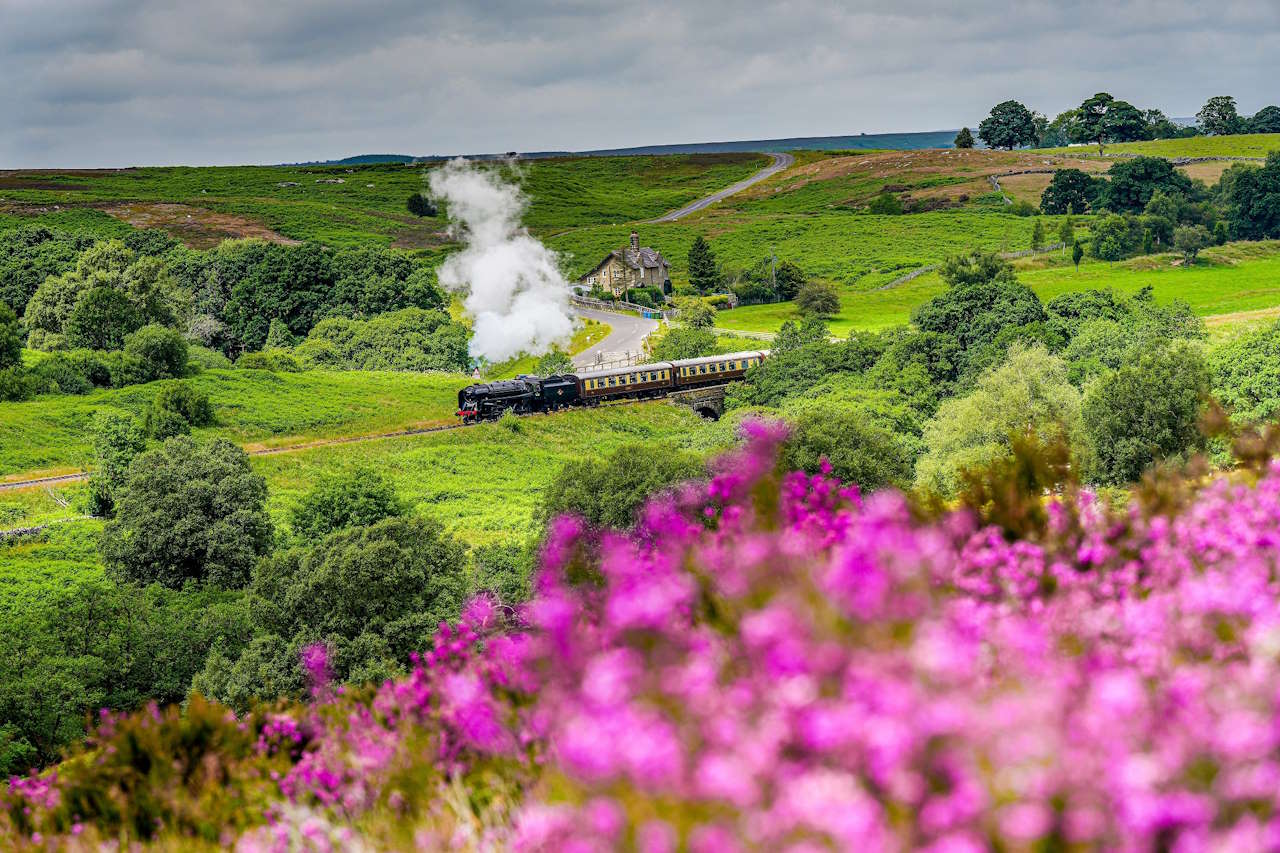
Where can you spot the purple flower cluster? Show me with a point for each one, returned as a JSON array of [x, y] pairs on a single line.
[[778, 662]]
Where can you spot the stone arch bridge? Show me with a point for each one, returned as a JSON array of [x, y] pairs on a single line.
[[708, 402]]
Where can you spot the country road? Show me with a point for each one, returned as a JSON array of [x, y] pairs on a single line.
[[780, 161], [626, 334]]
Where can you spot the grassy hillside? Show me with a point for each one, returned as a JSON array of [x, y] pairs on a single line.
[[364, 204], [1241, 145]]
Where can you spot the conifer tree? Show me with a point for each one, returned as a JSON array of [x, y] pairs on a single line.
[[704, 276], [964, 139]]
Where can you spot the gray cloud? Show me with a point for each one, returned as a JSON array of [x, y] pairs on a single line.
[[120, 82]]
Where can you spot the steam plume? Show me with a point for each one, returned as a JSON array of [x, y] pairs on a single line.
[[513, 289]]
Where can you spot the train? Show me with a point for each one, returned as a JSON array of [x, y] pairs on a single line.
[[524, 395]]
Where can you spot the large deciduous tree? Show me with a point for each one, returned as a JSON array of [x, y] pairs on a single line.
[[1219, 117], [1069, 191], [1102, 119], [1265, 120], [1254, 201], [1010, 125], [1135, 180]]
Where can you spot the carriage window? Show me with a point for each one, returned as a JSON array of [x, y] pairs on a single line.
[[611, 382], [702, 368]]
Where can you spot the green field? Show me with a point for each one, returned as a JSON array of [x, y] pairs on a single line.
[[50, 434], [845, 248], [1239, 277], [1241, 145]]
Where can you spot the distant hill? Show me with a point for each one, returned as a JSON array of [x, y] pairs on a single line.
[[862, 141]]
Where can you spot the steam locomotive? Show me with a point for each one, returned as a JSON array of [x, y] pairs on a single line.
[[526, 394]]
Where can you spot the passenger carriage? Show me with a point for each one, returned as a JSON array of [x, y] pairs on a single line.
[[640, 380]]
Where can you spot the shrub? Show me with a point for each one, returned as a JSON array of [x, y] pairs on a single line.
[[411, 339], [608, 492], [818, 299], [101, 319], [176, 408], [554, 363], [1246, 375], [204, 358], [188, 512], [885, 204], [356, 498], [116, 441], [1115, 237], [1190, 239], [1070, 191], [853, 446], [10, 338], [694, 312], [275, 360], [16, 384], [161, 353]]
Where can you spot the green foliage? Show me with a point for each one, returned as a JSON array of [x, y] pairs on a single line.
[[1134, 180], [1070, 191], [274, 360], [504, 569], [1190, 239], [857, 446], [420, 205], [800, 359], [355, 498], [1077, 253], [1010, 125], [1037, 235], [10, 338], [984, 298], [175, 409], [964, 139], [30, 255], [704, 274], [1245, 374], [1067, 232], [886, 204], [411, 339], [1115, 237], [1265, 120], [694, 313], [788, 278], [1144, 411], [609, 492], [279, 336], [684, 342], [373, 594], [188, 512], [156, 352], [101, 319], [116, 441], [1254, 201], [1102, 119], [1218, 117], [818, 299], [1028, 395], [554, 363]]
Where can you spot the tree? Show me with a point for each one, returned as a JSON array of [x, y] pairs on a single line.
[[1221, 233], [1066, 232], [1069, 191], [1265, 120], [704, 275], [694, 312], [420, 205], [684, 342], [1114, 238], [408, 339], [1028, 394], [555, 362], [1254, 201], [788, 279], [1190, 239], [1010, 125], [964, 139], [10, 338], [157, 353], [610, 492], [188, 512], [1218, 117], [1135, 180], [1092, 122], [116, 441], [101, 319], [1037, 235], [818, 299], [1159, 126], [1077, 252], [1146, 410]]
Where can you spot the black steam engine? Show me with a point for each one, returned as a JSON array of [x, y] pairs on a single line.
[[521, 395]]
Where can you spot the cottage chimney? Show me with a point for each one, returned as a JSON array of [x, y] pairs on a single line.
[[635, 241]]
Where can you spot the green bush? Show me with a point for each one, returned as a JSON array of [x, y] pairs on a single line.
[[10, 338], [1245, 375], [204, 358], [188, 512], [357, 498], [412, 339], [176, 408], [886, 204], [161, 353], [684, 342], [275, 360], [609, 492], [857, 448]]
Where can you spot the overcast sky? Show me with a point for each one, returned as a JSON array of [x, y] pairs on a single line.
[[125, 82]]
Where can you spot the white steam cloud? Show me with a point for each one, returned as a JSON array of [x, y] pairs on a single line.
[[513, 290]]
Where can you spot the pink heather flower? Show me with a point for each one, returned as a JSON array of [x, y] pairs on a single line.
[[315, 662]]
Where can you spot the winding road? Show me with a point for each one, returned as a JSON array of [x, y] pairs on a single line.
[[781, 160], [626, 334]]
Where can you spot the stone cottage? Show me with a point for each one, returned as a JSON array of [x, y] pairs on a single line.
[[631, 266]]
